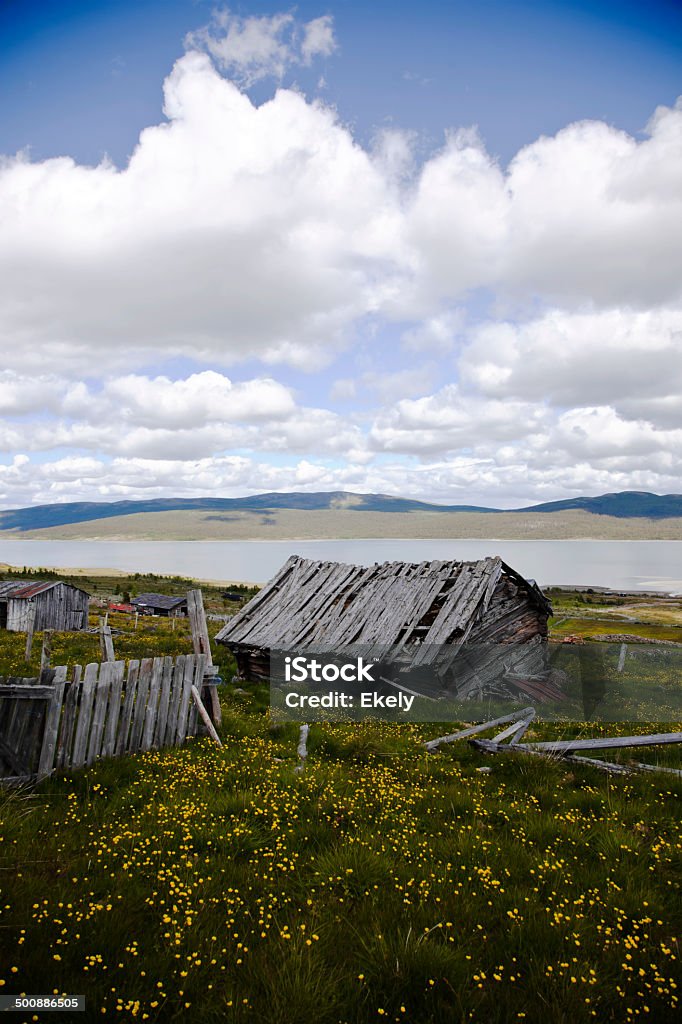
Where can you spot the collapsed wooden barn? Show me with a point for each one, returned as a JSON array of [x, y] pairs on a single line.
[[434, 612], [42, 605]]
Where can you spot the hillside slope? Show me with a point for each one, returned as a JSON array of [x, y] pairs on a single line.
[[343, 524], [621, 505]]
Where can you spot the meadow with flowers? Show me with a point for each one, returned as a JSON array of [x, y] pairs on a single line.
[[381, 883]]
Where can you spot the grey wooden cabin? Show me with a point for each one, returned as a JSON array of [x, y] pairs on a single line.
[[429, 606], [167, 605], [39, 605]]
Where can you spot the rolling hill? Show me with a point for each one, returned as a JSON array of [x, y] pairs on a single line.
[[620, 505]]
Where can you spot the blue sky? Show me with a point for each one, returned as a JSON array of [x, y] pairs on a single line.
[[429, 250], [85, 78]]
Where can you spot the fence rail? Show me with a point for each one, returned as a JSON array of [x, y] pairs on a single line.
[[62, 720]]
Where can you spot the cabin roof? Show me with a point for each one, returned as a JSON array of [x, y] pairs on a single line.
[[167, 601], [20, 590], [310, 602]]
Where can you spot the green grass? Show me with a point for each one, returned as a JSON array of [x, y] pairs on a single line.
[[381, 883], [152, 637], [587, 613], [587, 626]]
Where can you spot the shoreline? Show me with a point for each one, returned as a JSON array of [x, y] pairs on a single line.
[[13, 538], [102, 571], [99, 572]]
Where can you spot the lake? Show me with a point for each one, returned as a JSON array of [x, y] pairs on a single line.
[[620, 565]]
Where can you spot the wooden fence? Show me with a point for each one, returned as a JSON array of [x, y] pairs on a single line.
[[52, 722]]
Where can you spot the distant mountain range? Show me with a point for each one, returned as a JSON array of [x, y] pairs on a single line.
[[622, 505]]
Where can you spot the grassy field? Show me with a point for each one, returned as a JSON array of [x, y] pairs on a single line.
[[342, 524], [591, 614], [381, 883]]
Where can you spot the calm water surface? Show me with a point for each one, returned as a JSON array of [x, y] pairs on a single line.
[[621, 565]]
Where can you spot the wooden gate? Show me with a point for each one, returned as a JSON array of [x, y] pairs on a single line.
[[54, 722]]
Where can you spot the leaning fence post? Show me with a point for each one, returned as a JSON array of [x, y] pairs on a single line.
[[202, 645], [46, 649], [302, 748], [206, 718], [106, 643], [29, 630], [52, 721]]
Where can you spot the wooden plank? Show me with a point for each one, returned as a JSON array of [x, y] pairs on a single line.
[[328, 592], [99, 711], [106, 643], [515, 730], [13, 758], [206, 718], [34, 735], [80, 742], [65, 741], [461, 603], [46, 649], [152, 704], [164, 697], [202, 645], [114, 710], [211, 696], [128, 706], [15, 780], [52, 722], [194, 673], [29, 732], [198, 624], [29, 630], [10, 708], [25, 691], [174, 701], [657, 768], [406, 689], [604, 766], [237, 627], [607, 742], [305, 582], [140, 704], [516, 716], [18, 718], [487, 746], [240, 625], [302, 748]]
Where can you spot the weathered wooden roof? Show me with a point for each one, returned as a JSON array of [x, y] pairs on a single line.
[[20, 589], [333, 604], [167, 601]]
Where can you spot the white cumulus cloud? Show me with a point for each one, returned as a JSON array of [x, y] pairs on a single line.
[[251, 48]]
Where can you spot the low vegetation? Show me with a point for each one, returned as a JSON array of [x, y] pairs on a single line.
[[590, 613], [381, 883]]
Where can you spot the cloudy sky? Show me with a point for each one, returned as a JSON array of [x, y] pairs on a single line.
[[429, 250]]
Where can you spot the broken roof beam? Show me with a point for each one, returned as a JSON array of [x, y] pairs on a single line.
[[516, 716], [606, 743], [490, 747]]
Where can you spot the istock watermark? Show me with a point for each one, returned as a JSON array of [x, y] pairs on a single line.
[[452, 682], [301, 670]]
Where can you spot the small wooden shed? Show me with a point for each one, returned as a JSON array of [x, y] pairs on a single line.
[[38, 605], [428, 606], [160, 604]]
